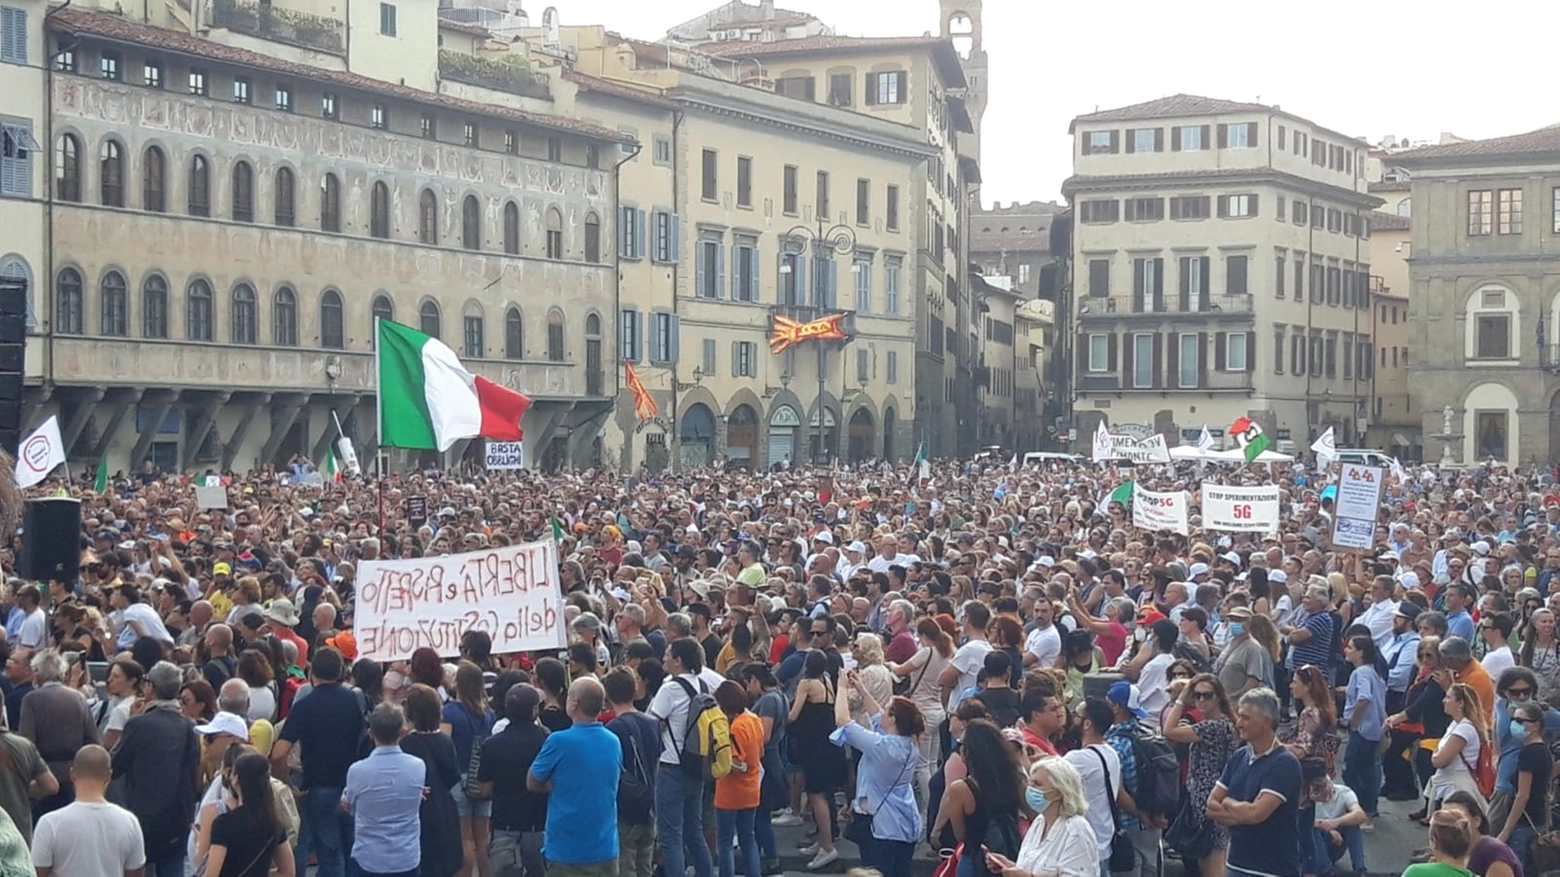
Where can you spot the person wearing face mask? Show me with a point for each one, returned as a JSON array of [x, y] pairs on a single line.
[[1528, 814], [1060, 840], [1515, 687]]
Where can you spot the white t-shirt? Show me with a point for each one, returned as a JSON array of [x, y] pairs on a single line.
[[1497, 661], [1153, 685], [118, 714], [1457, 775], [969, 659], [89, 840], [1343, 799], [149, 621], [670, 705], [35, 630], [1087, 761], [1045, 645]]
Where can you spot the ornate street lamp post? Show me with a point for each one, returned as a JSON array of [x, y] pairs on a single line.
[[823, 243]]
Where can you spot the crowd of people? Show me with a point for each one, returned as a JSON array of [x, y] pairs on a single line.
[[990, 667]]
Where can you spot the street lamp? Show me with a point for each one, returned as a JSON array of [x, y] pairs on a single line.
[[824, 243]]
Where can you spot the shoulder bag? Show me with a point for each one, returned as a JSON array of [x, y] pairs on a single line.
[[1122, 856]]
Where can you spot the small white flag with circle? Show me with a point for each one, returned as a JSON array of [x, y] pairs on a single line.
[[39, 453]]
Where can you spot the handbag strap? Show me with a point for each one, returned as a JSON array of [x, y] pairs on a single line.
[[924, 667], [1115, 815]]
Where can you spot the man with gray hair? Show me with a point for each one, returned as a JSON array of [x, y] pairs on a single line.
[[901, 627], [384, 794], [158, 757], [1258, 796]]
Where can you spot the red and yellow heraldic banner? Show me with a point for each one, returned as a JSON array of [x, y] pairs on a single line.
[[786, 332]]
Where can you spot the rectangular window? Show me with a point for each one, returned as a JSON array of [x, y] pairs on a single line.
[[662, 149], [1297, 343], [1189, 138], [512, 141], [1279, 277], [1481, 212], [629, 335], [863, 366], [891, 209], [1145, 209], [428, 127], [1235, 351], [1490, 434], [711, 269], [744, 359], [1143, 360], [1194, 284], [284, 99], [1278, 352], [197, 80], [823, 196], [891, 267], [328, 106], [1493, 339], [1235, 276], [152, 74], [744, 181], [1282, 134], [555, 149], [1331, 357], [65, 60], [469, 134], [1099, 211], [663, 236], [863, 202], [709, 177], [840, 87], [1554, 208], [886, 88], [1509, 216], [240, 90], [1189, 361], [1190, 207], [378, 117], [707, 356], [108, 66], [1316, 355], [387, 19], [13, 34], [1099, 278], [744, 270], [1148, 286], [862, 270], [1238, 136], [663, 334], [1237, 206], [17, 147], [1101, 142], [891, 367], [472, 334], [796, 86], [1301, 212], [789, 198], [631, 233], [1146, 140], [1099, 353]]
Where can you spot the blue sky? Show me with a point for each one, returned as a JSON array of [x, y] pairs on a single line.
[[1368, 69]]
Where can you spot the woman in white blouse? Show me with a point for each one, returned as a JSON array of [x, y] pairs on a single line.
[[1060, 842]]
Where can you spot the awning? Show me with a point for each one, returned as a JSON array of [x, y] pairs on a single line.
[[1401, 440], [21, 136]]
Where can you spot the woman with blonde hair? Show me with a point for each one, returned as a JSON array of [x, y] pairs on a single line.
[[1060, 840], [875, 676], [1451, 839], [1456, 758]]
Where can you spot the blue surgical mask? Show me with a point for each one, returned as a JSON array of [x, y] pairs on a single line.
[[1517, 729], [1236, 628], [1036, 799]]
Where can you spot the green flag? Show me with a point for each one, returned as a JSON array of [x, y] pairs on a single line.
[[557, 529], [331, 470], [100, 483], [1122, 494]]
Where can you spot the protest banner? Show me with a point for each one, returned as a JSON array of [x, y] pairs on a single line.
[[1151, 449], [1240, 509], [1357, 505], [1159, 511], [209, 496], [505, 455], [512, 593]]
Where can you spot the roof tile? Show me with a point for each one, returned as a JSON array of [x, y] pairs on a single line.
[[947, 58], [1544, 140], [1380, 221], [114, 27], [1175, 105], [586, 82]]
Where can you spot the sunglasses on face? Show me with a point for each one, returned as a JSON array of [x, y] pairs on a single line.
[[1519, 693], [1204, 695]]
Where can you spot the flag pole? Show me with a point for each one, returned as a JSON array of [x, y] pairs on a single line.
[[379, 425]]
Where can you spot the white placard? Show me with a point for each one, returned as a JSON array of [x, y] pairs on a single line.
[[1144, 450], [1356, 506], [1159, 511], [506, 455], [211, 497], [511, 593], [1240, 509]]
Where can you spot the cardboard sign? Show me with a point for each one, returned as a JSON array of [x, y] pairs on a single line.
[[1159, 511], [211, 497], [1145, 450], [416, 511], [1240, 509], [512, 594], [1357, 505], [505, 455]]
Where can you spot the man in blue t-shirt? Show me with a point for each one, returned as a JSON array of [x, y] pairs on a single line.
[[1258, 796], [582, 829]]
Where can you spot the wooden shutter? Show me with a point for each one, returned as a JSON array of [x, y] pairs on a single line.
[[1159, 360], [872, 89], [1251, 134], [1251, 352], [1173, 367], [1224, 136], [1220, 350], [1207, 286], [1159, 140], [1186, 283], [1115, 142], [1159, 285], [1202, 358], [1127, 353], [1175, 139], [1139, 294], [1206, 130], [1110, 352], [1083, 355], [1131, 141], [1224, 206], [1255, 209]]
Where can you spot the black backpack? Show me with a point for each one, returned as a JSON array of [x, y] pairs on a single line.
[[1158, 783], [635, 796]]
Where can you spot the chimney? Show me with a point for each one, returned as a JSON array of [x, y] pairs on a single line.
[[766, 9]]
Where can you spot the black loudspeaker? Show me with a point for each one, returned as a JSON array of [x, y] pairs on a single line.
[[51, 540], [13, 351]]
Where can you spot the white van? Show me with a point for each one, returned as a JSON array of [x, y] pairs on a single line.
[[1363, 457], [1040, 458]]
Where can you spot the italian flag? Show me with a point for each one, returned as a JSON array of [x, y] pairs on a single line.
[[1250, 437], [331, 469], [1122, 494], [427, 399]]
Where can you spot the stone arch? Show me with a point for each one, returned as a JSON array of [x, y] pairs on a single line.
[[831, 434], [862, 439], [697, 433], [745, 422], [1489, 424], [1492, 299], [889, 428]]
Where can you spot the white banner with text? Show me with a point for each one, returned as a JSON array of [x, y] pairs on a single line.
[[1240, 509], [1159, 511]]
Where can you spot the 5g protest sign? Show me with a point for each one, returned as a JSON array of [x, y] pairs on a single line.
[[511, 593], [1159, 511], [1357, 506], [1240, 509], [505, 455]]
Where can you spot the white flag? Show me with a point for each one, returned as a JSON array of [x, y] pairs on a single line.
[[1325, 448], [1013, 463], [1205, 441], [1104, 449], [1397, 471], [40, 453]]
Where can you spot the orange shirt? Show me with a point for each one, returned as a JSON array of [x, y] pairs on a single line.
[[1478, 678], [738, 790]]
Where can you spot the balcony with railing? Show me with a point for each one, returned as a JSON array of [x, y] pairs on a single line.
[[1135, 307], [510, 73], [1207, 381], [267, 22]]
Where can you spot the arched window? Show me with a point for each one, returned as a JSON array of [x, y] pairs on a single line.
[[243, 192], [67, 302], [379, 211], [197, 311], [428, 317], [154, 181], [284, 318], [473, 331], [111, 174], [286, 213], [512, 229], [1405, 208], [245, 318], [332, 335], [593, 325], [471, 223], [514, 335], [383, 309], [555, 335], [595, 376], [15, 270], [114, 311], [67, 168], [592, 237], [200, 187], [554, 233], [154, 307], [428, 217], [330, 203]]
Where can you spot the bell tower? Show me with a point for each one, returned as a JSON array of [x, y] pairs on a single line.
[[961, 23]]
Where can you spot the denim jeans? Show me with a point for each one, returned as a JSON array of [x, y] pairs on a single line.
[[1521, 843], [1362, 771], [1325, 853], [330, 829], [679, 822], [171, 865], [774, 794], [736, 825], [891, 858]]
